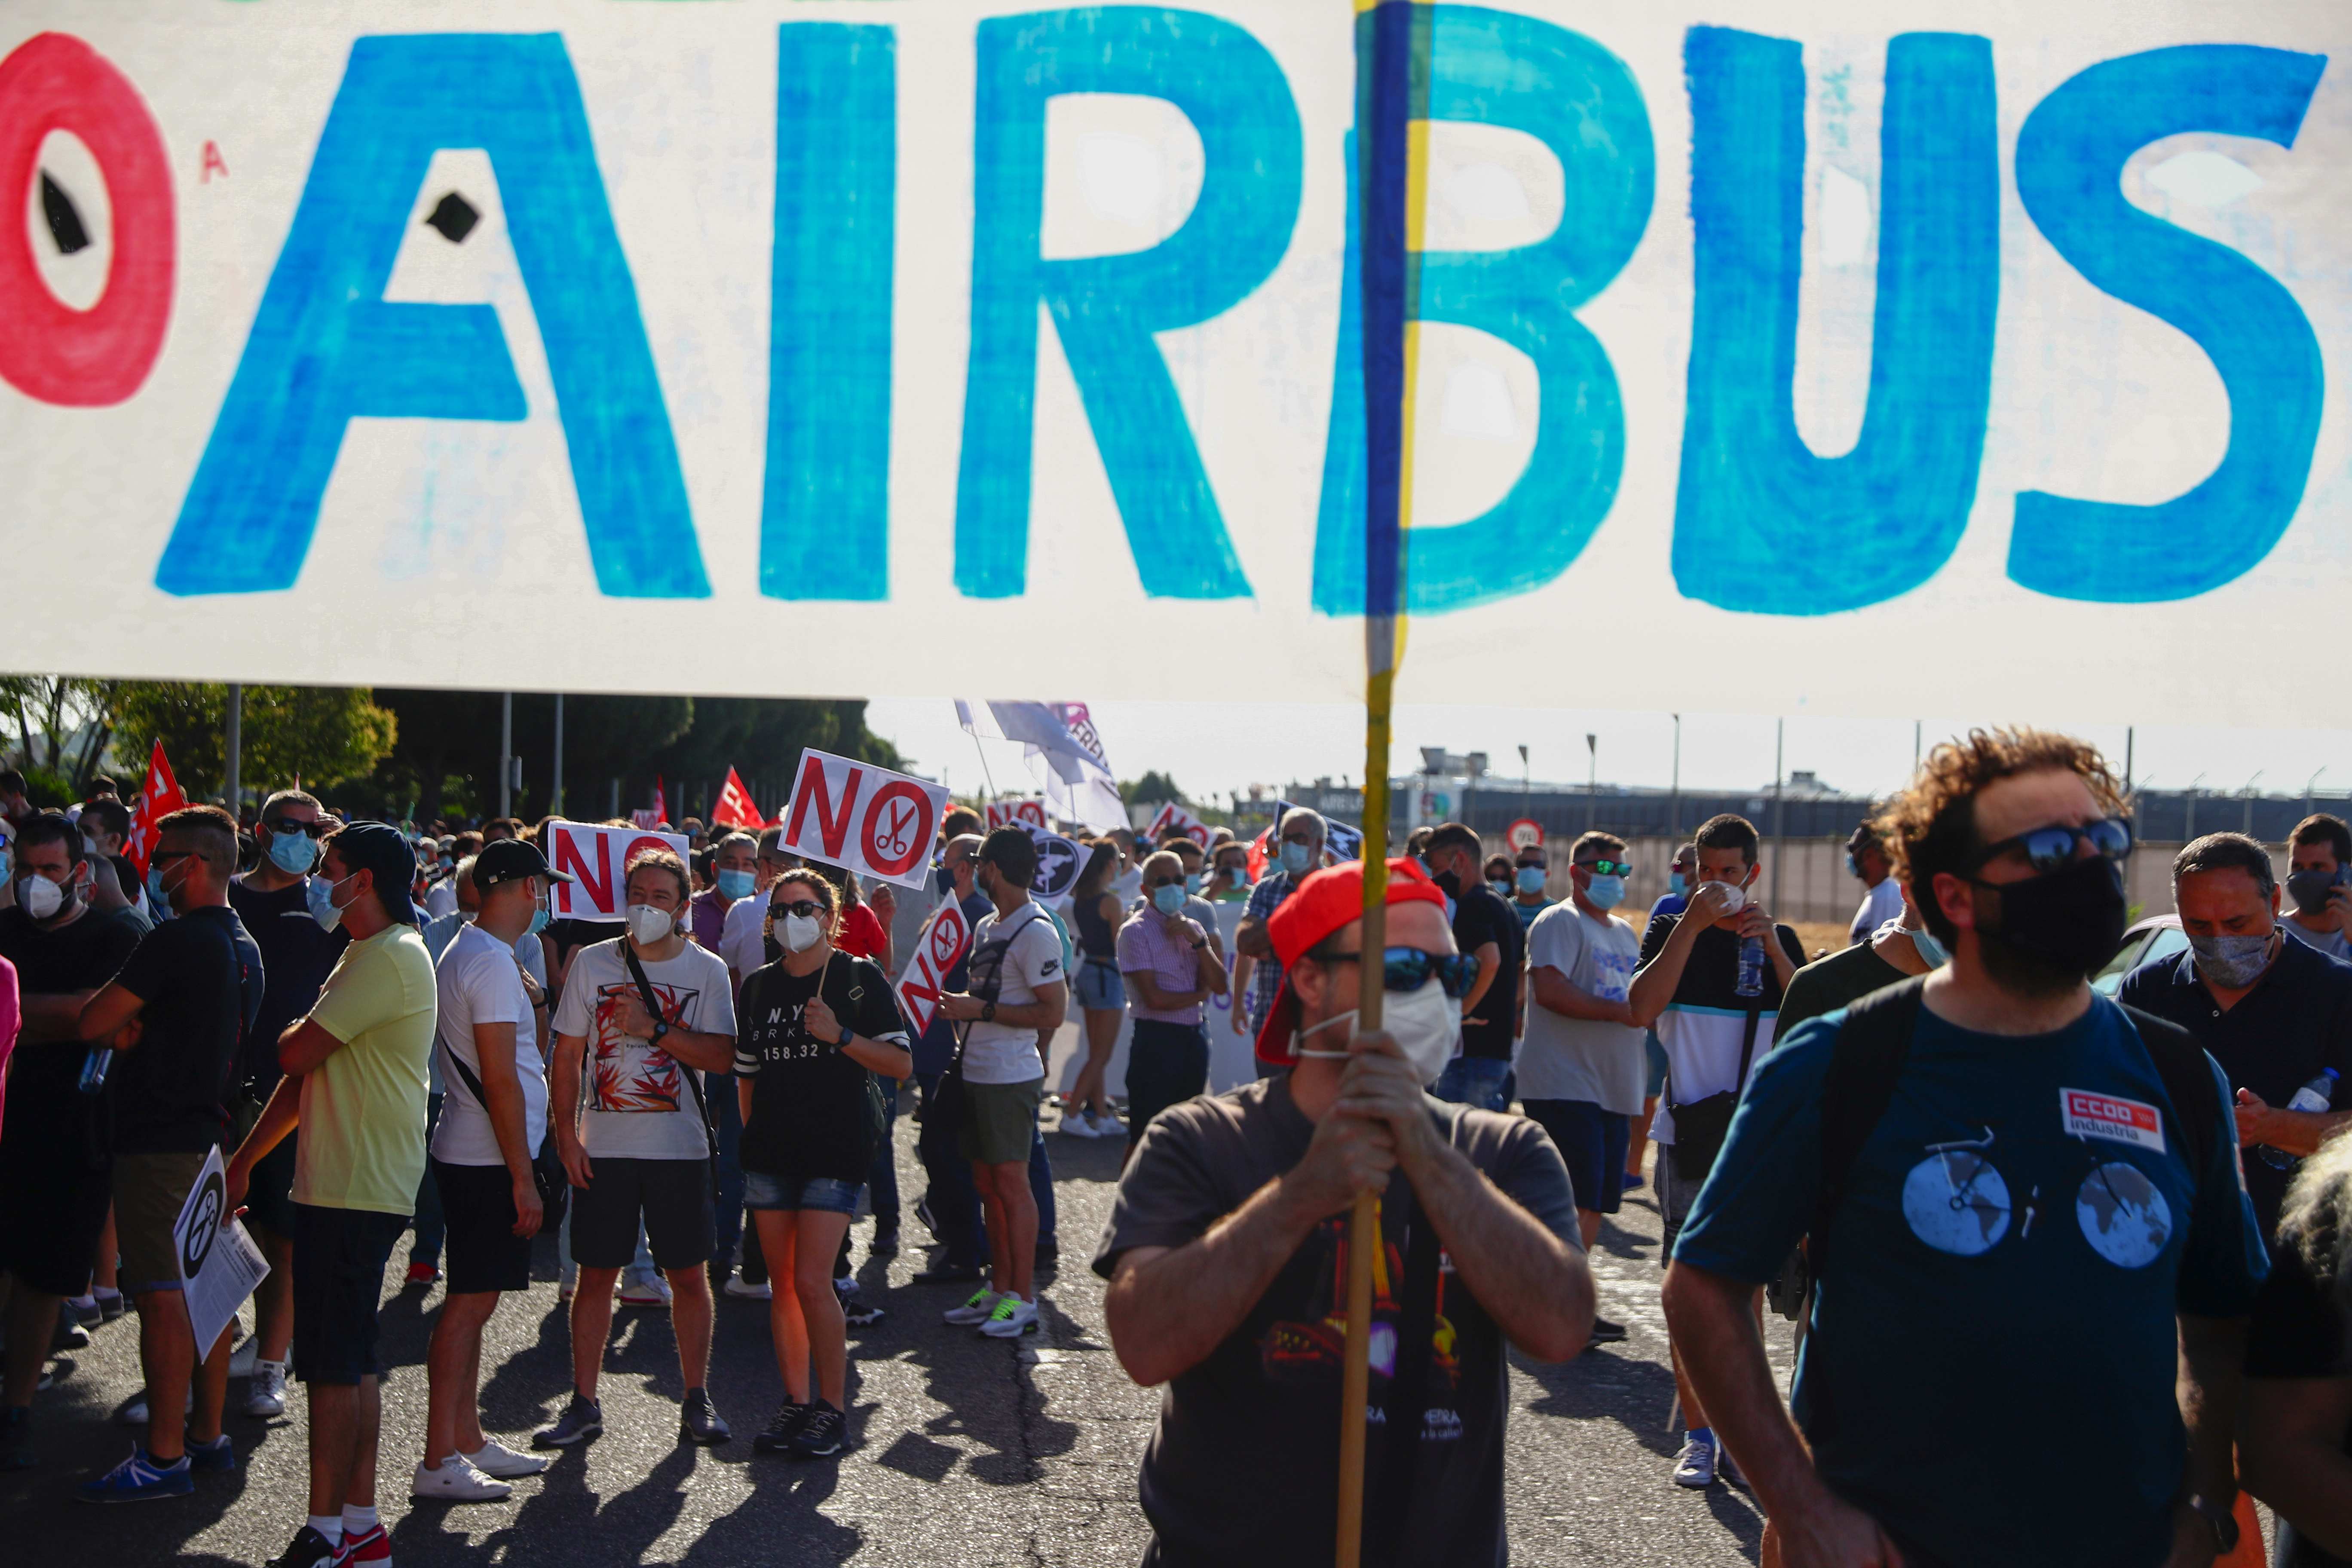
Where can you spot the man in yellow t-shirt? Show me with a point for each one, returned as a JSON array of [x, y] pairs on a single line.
[[355, 1082]]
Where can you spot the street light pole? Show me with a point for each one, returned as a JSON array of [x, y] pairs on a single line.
[[1527, 782], [555, 775], [2247, 830], [1675, 796], [2307, 784], [506, 753], [235, 739], [1779, 839], [2189, 829], [1591, 777]]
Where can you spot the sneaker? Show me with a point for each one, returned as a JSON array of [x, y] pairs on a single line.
[[138, 1478], [266, 1396], [112, 1304], [494, 1459], [975, 1309], [69, 1335], [220, 1454], [1012, 1317], [1605, 1332], [310, 1549], [86, 1311], [779, 1432], [1075, 1125], [739, 1287], [16, 1452], [820, 1432], [947, 1274], [653, 1292], [1694, 1466], [698, 1420], [371, 1547], [1633, 1179], [582, 1419], [420, 1274], [885, 1242], [455, 1479], [1046, 1253], [1108, 1125], [242, 1360], [861, 1314]]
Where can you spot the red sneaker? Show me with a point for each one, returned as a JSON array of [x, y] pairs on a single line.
[[422, 1274], [371, 1547]]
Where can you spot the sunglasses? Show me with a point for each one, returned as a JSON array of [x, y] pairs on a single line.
[[805, 908], [165, 856], [288, 825], [2051, 848], [1608, 868], [1163, 882], [1409, 969]]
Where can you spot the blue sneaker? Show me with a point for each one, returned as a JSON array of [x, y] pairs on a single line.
[[220, 1454], [138, 1478]]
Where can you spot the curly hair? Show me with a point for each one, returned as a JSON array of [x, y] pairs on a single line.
[[821, 890], [2315, 1219], [1930, 828]]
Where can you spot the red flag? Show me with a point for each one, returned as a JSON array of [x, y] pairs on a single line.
[[157, 801], [1257, 856], [735, 808], [661, 800]]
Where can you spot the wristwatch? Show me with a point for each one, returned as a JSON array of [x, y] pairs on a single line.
[[661, 1027], [2224, 1523], [847, 1036], [1200, 944], [988, 1012]]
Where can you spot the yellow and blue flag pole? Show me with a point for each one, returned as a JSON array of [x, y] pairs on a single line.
[[1391, 135]]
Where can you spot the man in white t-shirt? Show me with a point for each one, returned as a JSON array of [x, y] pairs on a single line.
[[1581, 1063], [639, 1148], [493, 1118], [1881, 899], [1017, 991]]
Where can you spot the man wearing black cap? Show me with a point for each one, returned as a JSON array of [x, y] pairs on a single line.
[[355, 1082], [1881, 899]]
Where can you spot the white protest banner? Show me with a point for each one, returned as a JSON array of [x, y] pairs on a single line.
[[219, 1265], [1182, 821], [943, 941], [870, 819], [1795, 334], [599, 857], [1026, 811], [1060, 861]]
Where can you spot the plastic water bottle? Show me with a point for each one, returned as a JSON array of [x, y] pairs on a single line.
[[93, 1069], [1751, 967], [2319, 1094]]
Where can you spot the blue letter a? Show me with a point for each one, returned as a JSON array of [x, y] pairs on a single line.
[[1760, 522], [326, 348]]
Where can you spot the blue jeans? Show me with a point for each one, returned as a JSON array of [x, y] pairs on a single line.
[[1480, 1082], [431, 1227], [727, 1117]]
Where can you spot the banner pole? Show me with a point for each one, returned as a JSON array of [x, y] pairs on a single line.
[[1392, 92]]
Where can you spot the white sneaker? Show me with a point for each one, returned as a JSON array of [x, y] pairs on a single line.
[[975, 1309], [454, 1481], [267, 1396], [1012, 1317], [1074, 1124], [739, 1286], [135, 1413], [242, 1359], [497, 1460], [1107, 1125], [653, 1292]]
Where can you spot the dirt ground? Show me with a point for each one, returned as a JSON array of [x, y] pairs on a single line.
[[1818, 936]]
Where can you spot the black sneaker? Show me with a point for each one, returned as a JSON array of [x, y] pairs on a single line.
[[310, 1549], [582, 1419], [1605, 1332], [697, 1420], [820, 1432], [1047, 1253], [778, 1436], [885, 1242], [17, 1451], [859, 1314], [68, 1335]]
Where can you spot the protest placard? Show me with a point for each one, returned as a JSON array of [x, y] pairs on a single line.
[[219, 1265], [945, 937], [866, 818], [599, 857]]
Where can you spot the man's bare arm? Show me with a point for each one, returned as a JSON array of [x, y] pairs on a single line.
[[2290, 1446], [1555, 992], [1654, 983], [51, 1017], [1537, 1287], [2212, 1370], [1490, 962]]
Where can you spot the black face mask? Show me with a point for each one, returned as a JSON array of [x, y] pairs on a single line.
[[2309, 890], [1448, 883], [2055, 930]]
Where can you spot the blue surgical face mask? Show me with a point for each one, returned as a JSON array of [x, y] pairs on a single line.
[[1297, 857], [538, 921], [156, 896], [1932, 953], [1678, 884], [1531, 879], [1168, 898], [734, 885], [1502, 888], [1606, 892], [294, 853]]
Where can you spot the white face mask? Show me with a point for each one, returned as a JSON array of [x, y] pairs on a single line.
[[1427, 1025], [800, 933], [650, 925], [43, 900]]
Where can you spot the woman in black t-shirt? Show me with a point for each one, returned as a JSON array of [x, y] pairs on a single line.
[[813, 1029], [2295, 1429]]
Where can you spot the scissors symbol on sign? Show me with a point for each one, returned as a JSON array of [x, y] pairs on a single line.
[[892, 840]]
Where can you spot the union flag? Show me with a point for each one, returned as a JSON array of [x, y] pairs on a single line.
[[159, 800]]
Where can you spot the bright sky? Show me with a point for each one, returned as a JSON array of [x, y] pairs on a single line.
[[1214, 749]]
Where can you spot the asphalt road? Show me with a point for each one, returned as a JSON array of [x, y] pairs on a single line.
[[969, 1452]]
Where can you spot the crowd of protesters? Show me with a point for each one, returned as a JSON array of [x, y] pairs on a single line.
[[2069, 1243]]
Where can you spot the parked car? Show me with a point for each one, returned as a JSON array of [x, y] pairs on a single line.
[[2158, 936]]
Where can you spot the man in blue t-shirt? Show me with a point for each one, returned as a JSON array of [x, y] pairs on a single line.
[[2030, 1223]]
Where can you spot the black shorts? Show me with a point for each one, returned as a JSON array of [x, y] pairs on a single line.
[[50, 1219], [484, 1252], [673, 1196], [269, 1194], [339, 1258]]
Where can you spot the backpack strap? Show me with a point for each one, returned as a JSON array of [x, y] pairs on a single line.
[[1865, 1064], [2187, 1075]]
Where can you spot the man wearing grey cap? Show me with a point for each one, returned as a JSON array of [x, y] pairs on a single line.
[[355, 1082]]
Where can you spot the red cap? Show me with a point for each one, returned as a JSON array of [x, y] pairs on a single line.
[[1324, 903]]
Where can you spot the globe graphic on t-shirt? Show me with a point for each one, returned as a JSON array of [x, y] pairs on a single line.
[[2123, 1217], [1956, 1201]]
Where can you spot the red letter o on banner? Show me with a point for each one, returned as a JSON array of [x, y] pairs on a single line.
[[48, 350]]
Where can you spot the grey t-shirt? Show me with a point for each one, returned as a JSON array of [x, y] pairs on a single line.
[[1582, 1059], [1243, 1467], [2330, 942]]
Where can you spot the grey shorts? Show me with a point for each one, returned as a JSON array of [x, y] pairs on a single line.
[[1675, 1196], [999, 1121]]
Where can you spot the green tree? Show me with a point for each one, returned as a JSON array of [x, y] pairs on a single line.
[[321, 735], [1154, 789], [63, 727]]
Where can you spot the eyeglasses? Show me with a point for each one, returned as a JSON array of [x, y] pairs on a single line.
[[288, 825], [1608, 868], [803, 908], [1409, 969], [2050, 848]]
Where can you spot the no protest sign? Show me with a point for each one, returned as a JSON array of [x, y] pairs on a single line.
[[599, 857], [945, 937], [870, 819]]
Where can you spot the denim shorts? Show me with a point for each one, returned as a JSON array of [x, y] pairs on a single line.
[[761, 1190], [1100, 990]]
